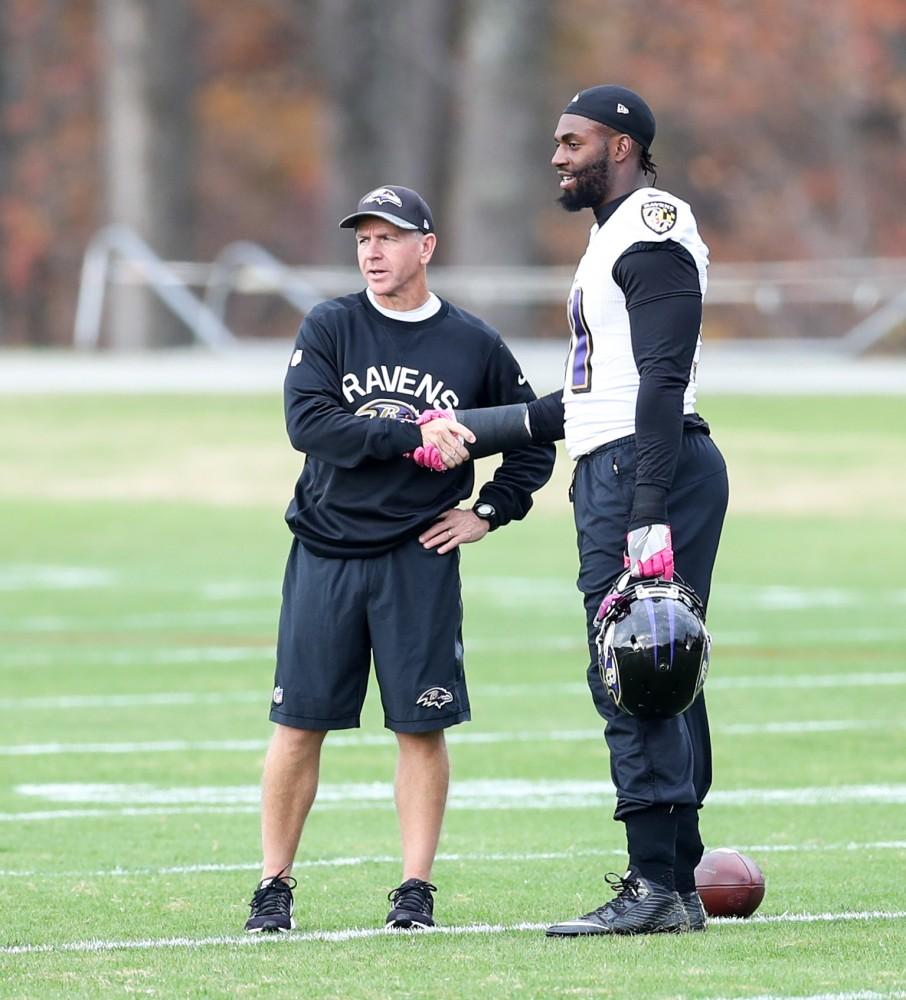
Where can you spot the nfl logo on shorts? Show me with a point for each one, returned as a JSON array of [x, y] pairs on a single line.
[[277, 697]]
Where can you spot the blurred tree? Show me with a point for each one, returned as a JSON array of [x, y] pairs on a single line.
[[498, 169], [783, 123], [148, 144], [385, 75], [5, 159], [499, 172]]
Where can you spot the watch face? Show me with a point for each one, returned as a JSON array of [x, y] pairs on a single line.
[[484, 510]]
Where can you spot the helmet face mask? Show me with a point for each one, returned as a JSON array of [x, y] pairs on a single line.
[[653, 649]]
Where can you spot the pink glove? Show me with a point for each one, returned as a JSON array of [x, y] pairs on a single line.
[[606, 605], [618, 589], [428, 455], [649, 552]]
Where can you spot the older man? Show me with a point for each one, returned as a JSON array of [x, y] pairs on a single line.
[[358, 581]]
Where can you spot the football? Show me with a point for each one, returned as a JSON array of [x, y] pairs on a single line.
[[729, 883]]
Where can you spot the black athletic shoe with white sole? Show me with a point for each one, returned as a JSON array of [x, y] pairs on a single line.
[[695, 911], [413, 905], [272, 906], [640, 907]]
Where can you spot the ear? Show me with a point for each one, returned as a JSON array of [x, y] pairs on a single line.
[[429, 242], [621, 148]]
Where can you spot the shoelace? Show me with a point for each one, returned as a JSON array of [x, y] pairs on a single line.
[[625, 888], [275, 897], [417, 894]]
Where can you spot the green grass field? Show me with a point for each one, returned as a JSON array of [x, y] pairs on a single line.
[[140, 565]]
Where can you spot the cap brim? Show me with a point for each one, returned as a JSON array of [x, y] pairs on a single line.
[[350, 221]]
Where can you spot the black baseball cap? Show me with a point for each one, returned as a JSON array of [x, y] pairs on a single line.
[[618, 107], [400, 205]]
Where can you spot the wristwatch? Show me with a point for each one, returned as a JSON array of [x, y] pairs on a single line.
[[487, 512]]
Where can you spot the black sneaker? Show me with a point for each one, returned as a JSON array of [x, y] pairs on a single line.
[[413, 905], [272, 906], [641, 907], [695, 911]]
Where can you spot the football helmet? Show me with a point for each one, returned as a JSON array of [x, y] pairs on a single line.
[[653, 647]]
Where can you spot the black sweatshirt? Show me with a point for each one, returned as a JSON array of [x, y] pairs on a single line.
[[356, 382]]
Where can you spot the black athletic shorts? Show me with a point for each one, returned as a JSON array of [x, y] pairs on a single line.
[[403, 607]]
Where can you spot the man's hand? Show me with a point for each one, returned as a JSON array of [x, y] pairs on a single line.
[[453, 528], [442, 441], [649, 552]]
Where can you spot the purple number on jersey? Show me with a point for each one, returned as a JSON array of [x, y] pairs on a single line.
[[580, 360]]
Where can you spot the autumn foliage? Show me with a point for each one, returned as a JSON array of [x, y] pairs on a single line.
[[783, 123]]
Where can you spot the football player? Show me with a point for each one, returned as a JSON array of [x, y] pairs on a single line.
[[650, 486]]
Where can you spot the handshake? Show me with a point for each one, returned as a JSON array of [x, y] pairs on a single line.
[[443, 441]]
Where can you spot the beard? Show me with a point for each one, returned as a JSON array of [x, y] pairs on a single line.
[[591, 186]]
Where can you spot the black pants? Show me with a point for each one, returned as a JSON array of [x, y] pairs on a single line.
[[653, 763]]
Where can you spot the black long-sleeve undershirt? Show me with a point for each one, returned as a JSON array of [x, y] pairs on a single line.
[[663, 298]]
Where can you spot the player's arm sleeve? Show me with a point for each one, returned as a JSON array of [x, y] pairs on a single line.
[[523, 469], [545, 417], [501, 428], [317, 422], [663, 297]]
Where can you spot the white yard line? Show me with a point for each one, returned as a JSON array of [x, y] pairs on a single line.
[[768, 637], [895, 678], [481, 857], [135, 657], [148, 700], [31, 576], [359, 933], [128, 800], [542, 590], [853, 995], [548, 590], [466, 737], [139, 621]]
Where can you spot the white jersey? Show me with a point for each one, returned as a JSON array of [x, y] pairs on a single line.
[[602, 381]]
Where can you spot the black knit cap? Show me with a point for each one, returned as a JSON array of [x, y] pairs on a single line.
[[618, 107]]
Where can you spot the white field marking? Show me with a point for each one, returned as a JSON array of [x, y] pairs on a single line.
[[854, 995], [159, 698], [237, 590], [545, 591], [572, 643], [35, 577], [380, 859], [57, 814], [467, 738], [140, 621], [480, 794], [359, 933], [138, 657], [810, 726], [213, 654], [798, 681], [541, 689], [150, 746], [768, 638]]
